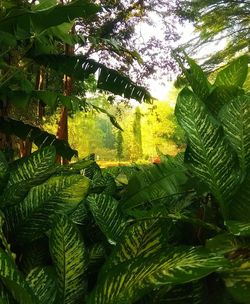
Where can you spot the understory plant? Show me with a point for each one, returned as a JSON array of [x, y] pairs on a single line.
[[175, 232]]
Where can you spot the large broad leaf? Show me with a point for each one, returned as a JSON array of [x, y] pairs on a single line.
[[239, 208], [111, 80], [70, 260], [25, 21], [142, 239], [235, 117], [108, 216], [197, 79], [14, 281], [209, 154], [43, 284], [27, 173], [234, 74], [39, 137], [128, 281], [153, 183], [31, 218]]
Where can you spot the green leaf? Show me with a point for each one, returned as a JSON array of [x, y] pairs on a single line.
[[14, 281], [234, 74], [19, 99], [96, 256], [209, 154], [70, 259], [5, 295], [75, 167], [79, 67], [142, 239], [238, 228], [220, 96], [27, 173], [39, 137], [48, 97], [197, 79], [239, 208], [108, 216], [235, 117], [30, 219], [34, 255], [237, 281], [128, 281], [153, 183], [22, 22], [42, 282]]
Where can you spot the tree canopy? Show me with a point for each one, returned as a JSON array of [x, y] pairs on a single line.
[[217, 21]]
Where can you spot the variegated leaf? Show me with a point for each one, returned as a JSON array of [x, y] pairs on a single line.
[[30, 219], [108, 216], [237, 281], [211, 157], [70, 259], [238, 228], [235, 117], [42, 282], [142, 239], [197, 79], [234, 74], [128, 281], [154, 183], [28, 172], [220, 96], [14, 281]]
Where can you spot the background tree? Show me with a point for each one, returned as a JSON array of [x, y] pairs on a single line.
[[219, 23]]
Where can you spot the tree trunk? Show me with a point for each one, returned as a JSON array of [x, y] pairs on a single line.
[[62, 131]]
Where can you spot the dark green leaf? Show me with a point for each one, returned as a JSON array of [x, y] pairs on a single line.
[[70, 259], [30, 219], [108, 216], [235, 117], [42, 282], [29, 172], [128, 281]]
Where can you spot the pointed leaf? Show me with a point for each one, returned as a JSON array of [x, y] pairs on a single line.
[[197, 79], [29, 172], [108, 216], [128, 281], [238, 110], [110, 80], [209, 154], [42, 282], [234, 74], [30, 219], [70, 259]]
